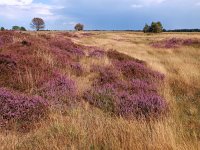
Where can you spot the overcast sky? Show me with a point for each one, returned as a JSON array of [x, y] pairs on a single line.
[[101, 14]]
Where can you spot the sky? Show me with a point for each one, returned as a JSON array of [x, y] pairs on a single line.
[[101, 14]]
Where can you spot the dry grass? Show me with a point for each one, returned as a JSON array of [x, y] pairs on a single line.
[[85, 127]]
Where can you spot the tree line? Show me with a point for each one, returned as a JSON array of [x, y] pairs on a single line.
[[155, 27], [39, 24]]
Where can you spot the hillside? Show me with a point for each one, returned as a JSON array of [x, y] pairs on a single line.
[[99, 90]]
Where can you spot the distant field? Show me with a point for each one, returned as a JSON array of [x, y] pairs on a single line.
[[48, 64]]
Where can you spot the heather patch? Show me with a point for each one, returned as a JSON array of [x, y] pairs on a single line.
[[140, 105], [87, 34], [175, 43], [98, 53], [117, 56], [1, 43], [59, 89], [76, 69], [7, 61], [68, 34], [106, 75], [134, 70], [103, 98], [128, 89], [68, 46], [26, 43], [6, 37], [21, 109]]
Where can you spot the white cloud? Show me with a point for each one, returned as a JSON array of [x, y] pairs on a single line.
[[16, 9], [152, 1], [136, 6], [15, 2]]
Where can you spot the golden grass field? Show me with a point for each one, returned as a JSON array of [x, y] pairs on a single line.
[[87, 128]]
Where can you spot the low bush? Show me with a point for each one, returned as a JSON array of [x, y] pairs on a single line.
[[128, 89], [103, 98], [77, 69], [59, 88], [68, 46], [98, 53], [115, 55], [6, 37], [7, 60], [139, 86], [134, 70], [106, 75], [141, 105], [21, 109], [175, 43]]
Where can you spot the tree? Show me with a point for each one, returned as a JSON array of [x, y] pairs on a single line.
[[16, 28], [146, 28], [79, 27], [2, 28], [37, 23], [156, 27], [23, 29]]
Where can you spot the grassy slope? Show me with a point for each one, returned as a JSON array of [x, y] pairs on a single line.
[[88, 128]]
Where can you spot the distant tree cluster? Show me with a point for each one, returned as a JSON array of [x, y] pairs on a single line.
[[2, 28], [18, 28], [184, 30], [156, 27], [79, 27]]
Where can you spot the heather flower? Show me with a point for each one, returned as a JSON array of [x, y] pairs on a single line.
[[141, 105], [175, 43], [59, 88], [134, 70], [97, 53], [140, 86], [115, 55], [1, 43], [103, 98], [20, 108], [6, 37], [77, 69], [68, 46], [106, 75]]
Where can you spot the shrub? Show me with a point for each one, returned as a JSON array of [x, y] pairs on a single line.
[[175, 43], [26, 43], [2, 28], [68, 46], [8, 61], [22, 29], [87, 34], [134, 70], [98, 53], [60, 88], [139, 86], [16, 28], [22, 109], [1, 43], [140, 105], [130, 89], [76, 69], [103, 98], [6, 37], [115, 55], [106, 75]]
